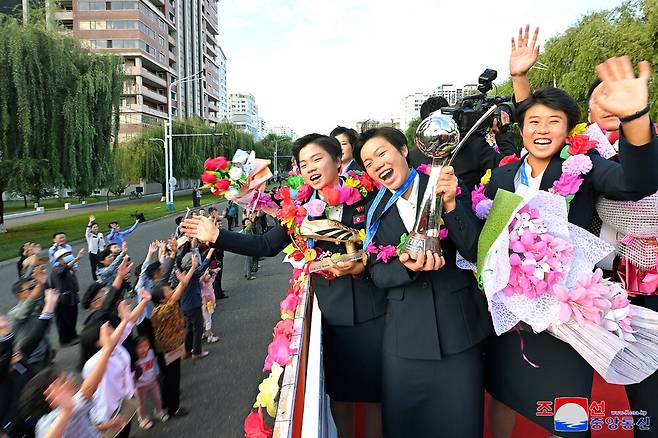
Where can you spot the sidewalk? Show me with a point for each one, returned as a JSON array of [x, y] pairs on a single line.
[[56, 214]]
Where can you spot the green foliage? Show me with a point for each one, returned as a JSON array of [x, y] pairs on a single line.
[[58, 107], [629, 29], [142, 158], [265, 149], [410, 133]]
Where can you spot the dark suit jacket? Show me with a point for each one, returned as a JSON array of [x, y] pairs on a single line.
[[473, 160], [431, 314], [343, 301], [633, 178], [506, 142], [352, 166]]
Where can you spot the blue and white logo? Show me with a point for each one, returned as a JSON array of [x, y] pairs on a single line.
[[571, 414]]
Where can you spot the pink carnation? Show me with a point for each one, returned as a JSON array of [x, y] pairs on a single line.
[[424, 168], [567, 184], [477, 195], [577, 165], [386, 253], [443, 233], [350, 195], [303, 192], [371, 248]]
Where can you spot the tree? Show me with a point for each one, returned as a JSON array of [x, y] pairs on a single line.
[[31, 177], [265, 149], [410, 133], [58, 105]]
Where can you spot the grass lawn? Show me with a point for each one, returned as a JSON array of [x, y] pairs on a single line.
[[18, 206], [74, 225]]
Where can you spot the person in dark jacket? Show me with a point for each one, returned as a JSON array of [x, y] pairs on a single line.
[[191, 304], [64, 278], [436, 318]]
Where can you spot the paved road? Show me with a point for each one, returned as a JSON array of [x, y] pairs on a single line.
[[219, 389]]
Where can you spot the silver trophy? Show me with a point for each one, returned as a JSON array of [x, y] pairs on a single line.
[[437, 137]]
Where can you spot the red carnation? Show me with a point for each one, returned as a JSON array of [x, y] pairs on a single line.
[[367, 182], [580, 144], [331, 195], [222, 185], [208, 178], [217, 163], [508, 159]]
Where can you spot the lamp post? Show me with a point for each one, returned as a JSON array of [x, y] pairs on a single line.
[[166, 158], [168, 133]]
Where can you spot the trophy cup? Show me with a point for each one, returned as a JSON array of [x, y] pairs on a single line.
[[437, 137], [332, 231]]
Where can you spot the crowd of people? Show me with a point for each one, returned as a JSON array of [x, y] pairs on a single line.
[[129, 359], [411, 338]]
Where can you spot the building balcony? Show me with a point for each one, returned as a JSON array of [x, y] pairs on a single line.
[[137, 108], [212, 27], [64, 15], [146, 75], [145, 92]]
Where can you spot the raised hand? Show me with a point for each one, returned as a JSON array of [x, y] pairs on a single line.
[[144, 294], [621, 93], [5, 329], [123, 309], [40, 274], [524, 52], [124, 247], [81, 253], [50, 300], [201, 228], [60, 394], [125, 268]]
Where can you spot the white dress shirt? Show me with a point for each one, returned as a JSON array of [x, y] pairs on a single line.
[[334, 212], [95, 242], [117, 382], [533, 182], [407, 207]]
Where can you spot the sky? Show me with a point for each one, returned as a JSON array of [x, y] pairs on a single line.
[[313, 64]]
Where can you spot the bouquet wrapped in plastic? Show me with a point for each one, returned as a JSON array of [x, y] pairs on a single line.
[[636, 224], [536, 268], [241, 180]]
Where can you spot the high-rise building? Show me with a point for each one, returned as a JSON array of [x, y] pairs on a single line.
[[411, 108], [160, 41], [283, 131], [244, 113]]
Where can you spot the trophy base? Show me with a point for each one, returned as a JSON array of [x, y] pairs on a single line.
[[419, 243]]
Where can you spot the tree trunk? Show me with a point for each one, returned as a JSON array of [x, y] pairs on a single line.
[[25, 200], [164, 189], [2, 210], [108, 200]]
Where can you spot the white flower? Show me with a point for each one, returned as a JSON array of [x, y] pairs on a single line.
[[235, 173], [232, 193]]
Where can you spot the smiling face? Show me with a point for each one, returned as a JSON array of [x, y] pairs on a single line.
[[385, 163], [544, 131], [317, 167], [346, 147]]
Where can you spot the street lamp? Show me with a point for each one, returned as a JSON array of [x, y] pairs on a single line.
[[168, 134], [166, 158]]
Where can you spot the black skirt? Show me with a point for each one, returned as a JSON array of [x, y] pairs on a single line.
[[353, 361], [510, 379]]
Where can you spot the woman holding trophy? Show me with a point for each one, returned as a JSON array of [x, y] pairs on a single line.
[[436, 317], [352, 307], [577, 172]]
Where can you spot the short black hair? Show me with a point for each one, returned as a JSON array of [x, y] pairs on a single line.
[[595, 84], [89, 342], [553, 98], [92, 223], [113, 222], [211, 209], [103, 254], [329, 144], [433, 103], [152, 269], [392, 135], [32, 402], [351, 134], [90, 294], [158, 292], [58, 233], [179, 219]]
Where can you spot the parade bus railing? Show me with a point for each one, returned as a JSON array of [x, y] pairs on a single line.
[[303, 409]]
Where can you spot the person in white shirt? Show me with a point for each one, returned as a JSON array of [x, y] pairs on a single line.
[[117, 388], [95, 244]]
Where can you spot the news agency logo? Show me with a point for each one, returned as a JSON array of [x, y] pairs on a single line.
[[571, 414]]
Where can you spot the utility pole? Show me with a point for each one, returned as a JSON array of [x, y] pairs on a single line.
[[26, 11]]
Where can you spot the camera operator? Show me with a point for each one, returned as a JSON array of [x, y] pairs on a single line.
[[505, 138], [476, 156]]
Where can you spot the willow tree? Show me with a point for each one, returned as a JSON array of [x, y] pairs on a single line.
[[58, 107], [143, 158]]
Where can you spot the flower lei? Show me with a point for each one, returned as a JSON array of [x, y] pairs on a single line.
[[575, 166], [278, 356], [295, 207], [386, 253]]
